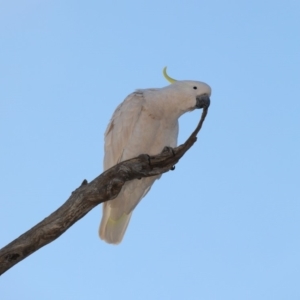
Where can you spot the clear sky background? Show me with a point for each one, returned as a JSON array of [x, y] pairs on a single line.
[[226, 223]]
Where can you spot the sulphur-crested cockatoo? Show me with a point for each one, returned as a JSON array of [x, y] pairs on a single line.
[[144, 123]]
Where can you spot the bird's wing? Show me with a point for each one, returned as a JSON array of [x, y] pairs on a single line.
[[120, 128], [117, 213]]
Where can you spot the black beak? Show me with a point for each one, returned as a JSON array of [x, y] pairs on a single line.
[[202, 101]]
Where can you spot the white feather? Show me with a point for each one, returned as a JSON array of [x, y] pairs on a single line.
[[144, 123]]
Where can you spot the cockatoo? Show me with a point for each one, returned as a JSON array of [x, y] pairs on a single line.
[[144, 123]]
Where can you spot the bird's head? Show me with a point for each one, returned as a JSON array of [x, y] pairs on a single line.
[[188, 94]]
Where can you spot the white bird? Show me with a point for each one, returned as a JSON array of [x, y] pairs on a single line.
[[144, 123]]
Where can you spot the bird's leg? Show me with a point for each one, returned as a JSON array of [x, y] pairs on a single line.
[[168, 149]]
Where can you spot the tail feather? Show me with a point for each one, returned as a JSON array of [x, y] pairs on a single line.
[[112, 231], [117, 212]]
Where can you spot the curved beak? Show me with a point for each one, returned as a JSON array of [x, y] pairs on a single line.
[[202, 101]]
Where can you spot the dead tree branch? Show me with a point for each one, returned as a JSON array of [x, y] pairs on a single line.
[[103, 188]]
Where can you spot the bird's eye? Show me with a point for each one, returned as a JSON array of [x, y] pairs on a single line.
[[194, 87]]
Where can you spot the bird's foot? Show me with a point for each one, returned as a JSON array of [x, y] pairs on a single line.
[[168, 149], [146, 156]]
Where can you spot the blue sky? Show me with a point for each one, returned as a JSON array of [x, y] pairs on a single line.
[[223, 225]]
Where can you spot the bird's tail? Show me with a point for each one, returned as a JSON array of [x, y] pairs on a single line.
[[110, 230]]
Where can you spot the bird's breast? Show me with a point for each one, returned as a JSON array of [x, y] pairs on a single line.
[[151, 133]]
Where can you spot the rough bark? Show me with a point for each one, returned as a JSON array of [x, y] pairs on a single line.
[[103, 188]]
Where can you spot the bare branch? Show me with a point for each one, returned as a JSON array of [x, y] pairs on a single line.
[[103, 188]]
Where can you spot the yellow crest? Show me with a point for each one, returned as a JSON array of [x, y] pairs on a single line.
[[171, 80]]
